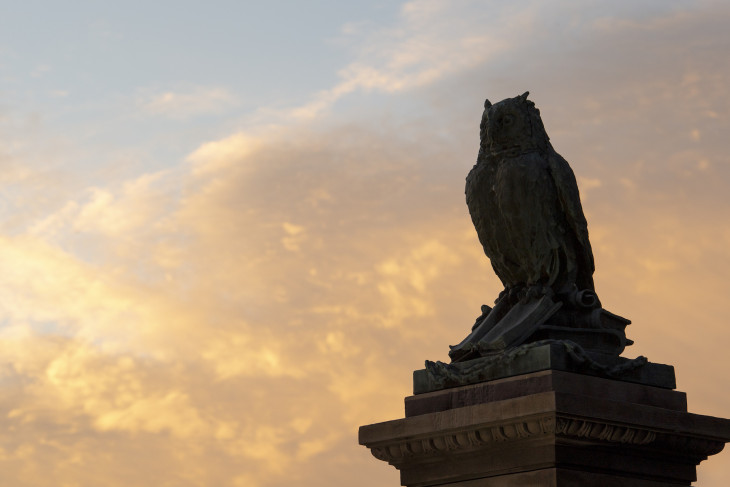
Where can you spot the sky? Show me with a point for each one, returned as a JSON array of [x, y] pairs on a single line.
[[230, 231]]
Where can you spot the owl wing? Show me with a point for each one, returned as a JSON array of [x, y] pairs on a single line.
[[482, 210], [567, 189]]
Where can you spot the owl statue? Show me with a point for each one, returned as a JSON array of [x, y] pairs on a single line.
[[523, 200]]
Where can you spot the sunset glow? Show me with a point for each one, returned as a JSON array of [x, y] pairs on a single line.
[[230, 233]]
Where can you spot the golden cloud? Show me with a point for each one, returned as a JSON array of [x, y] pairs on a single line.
[[232, 321]]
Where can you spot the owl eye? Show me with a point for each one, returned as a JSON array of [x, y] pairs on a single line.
[[507, 120]]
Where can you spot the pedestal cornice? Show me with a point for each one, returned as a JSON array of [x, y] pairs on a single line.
[[555, 430]]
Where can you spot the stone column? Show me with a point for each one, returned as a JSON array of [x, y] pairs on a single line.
[[541, 420]]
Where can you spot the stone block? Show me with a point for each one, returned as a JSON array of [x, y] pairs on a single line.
[[547, 428]]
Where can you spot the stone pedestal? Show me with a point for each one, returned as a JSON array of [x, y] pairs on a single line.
[[547, 428]]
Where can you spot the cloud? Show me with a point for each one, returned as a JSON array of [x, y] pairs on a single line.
[[273, 283], [231, 321], [188, 103], [432, 40]]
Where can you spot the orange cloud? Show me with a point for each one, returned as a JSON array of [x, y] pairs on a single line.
[[233, 320]]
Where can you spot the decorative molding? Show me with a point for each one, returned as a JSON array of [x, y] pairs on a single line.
[[481, 436], [598, 431], [464, 440], [400, 451], [699, 448], [442, 375]]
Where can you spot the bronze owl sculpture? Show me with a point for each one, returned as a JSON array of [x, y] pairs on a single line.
[[524, 202]]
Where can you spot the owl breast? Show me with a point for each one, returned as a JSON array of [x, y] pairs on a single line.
[[515, 208]]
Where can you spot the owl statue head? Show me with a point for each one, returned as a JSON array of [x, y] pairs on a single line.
[[512, 125]]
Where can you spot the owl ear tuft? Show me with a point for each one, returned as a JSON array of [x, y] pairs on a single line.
[[487, 104], [524, 95]]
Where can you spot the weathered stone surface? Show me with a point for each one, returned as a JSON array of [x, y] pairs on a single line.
[[554, 477], [548, 425], [538, 356], [544, 381]]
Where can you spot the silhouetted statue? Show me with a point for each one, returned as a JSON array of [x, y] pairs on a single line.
[[524, 203]]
